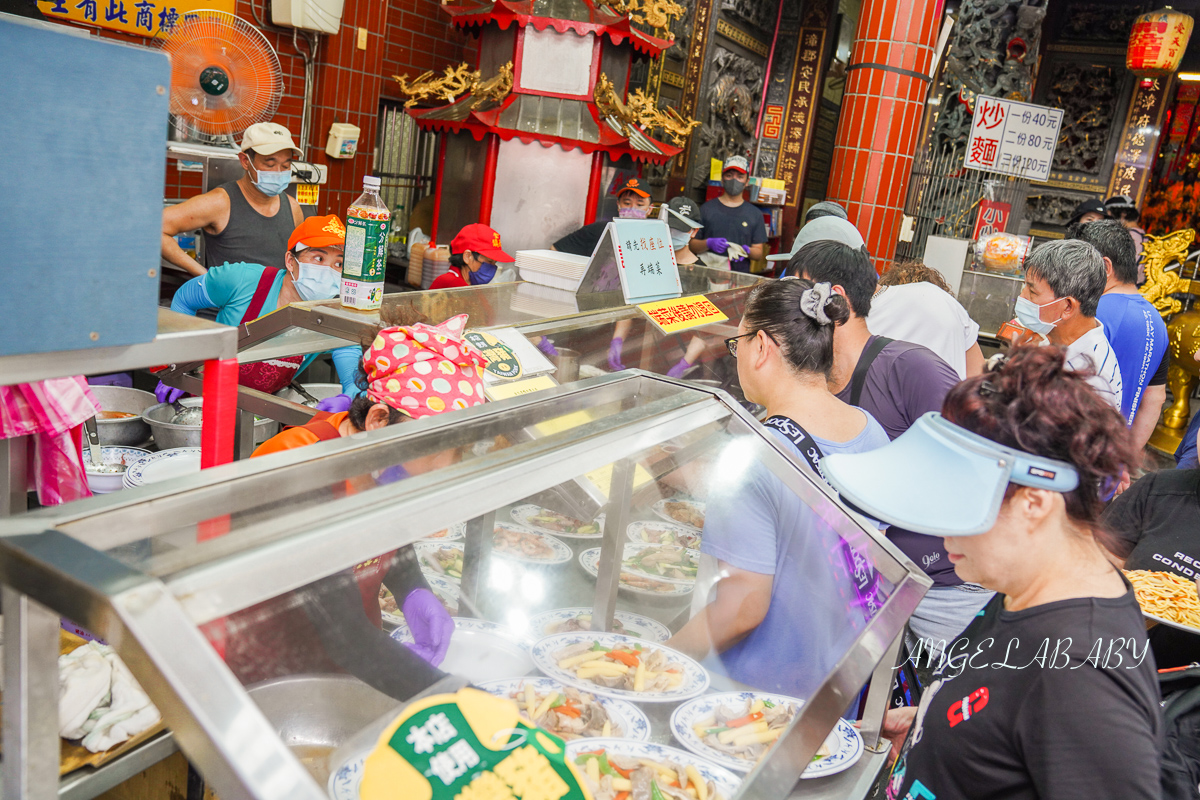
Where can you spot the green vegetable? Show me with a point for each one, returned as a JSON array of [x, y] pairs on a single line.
[[655, 792], [768, 704], [597, 647], [559, 699], [601, 760], [716, 730]]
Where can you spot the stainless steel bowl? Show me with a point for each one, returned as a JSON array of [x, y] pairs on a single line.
[[315, 714], [321, 391], [168, 435], [130, 431]]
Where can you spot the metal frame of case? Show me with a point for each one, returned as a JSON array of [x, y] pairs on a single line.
[[54, 562]]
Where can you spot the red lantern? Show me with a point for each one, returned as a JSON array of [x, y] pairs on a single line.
[[1157, 42]]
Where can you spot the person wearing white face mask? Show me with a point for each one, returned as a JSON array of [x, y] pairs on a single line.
[[247, 220], [1063, 284], [242, 292]]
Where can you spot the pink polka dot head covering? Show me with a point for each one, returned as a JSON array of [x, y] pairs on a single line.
[[424, 369]]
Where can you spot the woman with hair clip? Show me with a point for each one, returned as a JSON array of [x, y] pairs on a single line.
[[767, 632], [1051, 691]]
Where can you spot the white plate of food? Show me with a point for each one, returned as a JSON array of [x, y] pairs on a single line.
[[734, 729], [583, 715], [635, 582], [543, 520], [570, 620], [623, 757], [441, 559], [403, 634], [343, 784], [689, 513], [163, 466], [446, 590], [452, 534], [522, 544], [655, 532], [481, 651], [615, 665], [663, 562]]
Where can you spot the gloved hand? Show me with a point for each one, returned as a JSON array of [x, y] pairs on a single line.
[[736, 252], [336, 404], [430, 624], [614, 354], [114, 379], [547, 347], [680, 368], [167, 394], [717, 245]]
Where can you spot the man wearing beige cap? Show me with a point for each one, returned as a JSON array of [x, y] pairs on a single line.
[[249, 219]]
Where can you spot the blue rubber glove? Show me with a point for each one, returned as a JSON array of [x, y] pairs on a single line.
[[430, 623], [614, 354], [680, 368], [167, 394], [336, 404], [547, 347], [717, 245]]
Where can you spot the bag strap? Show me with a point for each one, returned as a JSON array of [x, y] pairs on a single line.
[[265, 282], [859, 379], [320, 427], [799, 437]]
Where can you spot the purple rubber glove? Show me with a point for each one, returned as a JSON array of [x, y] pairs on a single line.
[[336, 404], [167, 394], [114, 379], [717, 245], [680, 368], [614, 354], [430, 624], [547, 347]]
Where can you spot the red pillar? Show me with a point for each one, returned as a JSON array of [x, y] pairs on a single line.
[[489, 179], [220, 412], [593, 194], [886, 87]]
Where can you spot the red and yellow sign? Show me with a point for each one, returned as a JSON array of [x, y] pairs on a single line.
[[681, 313], [139, 17], [1157, 42]]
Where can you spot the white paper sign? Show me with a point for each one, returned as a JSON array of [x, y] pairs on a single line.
[[1013, 138]]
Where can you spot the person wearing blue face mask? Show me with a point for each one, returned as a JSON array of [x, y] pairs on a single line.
[[474, 253], [242, 292], [248, 220]]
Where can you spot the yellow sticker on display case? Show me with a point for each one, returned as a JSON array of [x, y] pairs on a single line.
[[468, 745], [681, 313]]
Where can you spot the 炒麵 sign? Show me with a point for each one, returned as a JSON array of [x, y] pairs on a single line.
[[1013, 138]]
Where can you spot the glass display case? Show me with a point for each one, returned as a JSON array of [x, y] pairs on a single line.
[[573, 321], [581, 537]]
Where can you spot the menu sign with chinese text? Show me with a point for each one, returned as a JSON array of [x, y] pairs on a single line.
[[1013, 138], [139, 17], [681, 313], [645, 259]]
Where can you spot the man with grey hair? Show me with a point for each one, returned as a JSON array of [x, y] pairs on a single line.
[[1063, 284]]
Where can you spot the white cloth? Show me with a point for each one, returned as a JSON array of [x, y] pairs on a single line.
[[1092, 351], [98, 699], [923, 314]]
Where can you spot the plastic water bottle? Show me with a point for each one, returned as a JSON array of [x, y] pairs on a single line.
[[366, 249]]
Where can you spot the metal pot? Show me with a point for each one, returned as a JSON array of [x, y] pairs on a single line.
[[567, 363], [321, 391], [315, 714], [168, 435], [129, 431]]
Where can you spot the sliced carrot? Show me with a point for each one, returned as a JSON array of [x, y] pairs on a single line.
[[625, 773], [627, 658], [746, 720], [569, 711], [622, 796]]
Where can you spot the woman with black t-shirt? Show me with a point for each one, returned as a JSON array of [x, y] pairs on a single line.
[[1051, 692]]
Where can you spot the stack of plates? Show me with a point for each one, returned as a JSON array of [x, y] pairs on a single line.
[[544, 301], [552, 268], [163, 466]]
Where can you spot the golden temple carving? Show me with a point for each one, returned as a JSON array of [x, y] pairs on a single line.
[[640, 111], [455, 82], [655, 13], [1157, 253]]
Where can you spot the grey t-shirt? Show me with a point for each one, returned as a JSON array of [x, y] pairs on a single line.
[[904, 382]]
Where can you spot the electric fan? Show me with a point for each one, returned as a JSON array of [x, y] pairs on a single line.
[[225, 75]]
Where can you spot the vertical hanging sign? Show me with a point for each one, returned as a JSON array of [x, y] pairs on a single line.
[[1139, 139], [801, 116], [693, 73]]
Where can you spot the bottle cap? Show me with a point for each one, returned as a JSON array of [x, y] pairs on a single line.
[[370, 182]]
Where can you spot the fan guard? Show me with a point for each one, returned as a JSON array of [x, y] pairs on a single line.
[[225, 76]]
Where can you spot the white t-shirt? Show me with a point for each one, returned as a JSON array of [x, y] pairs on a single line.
[[926, 315], [1092, 351]]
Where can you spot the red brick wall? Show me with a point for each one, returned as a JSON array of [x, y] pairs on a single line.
[[403, 36]]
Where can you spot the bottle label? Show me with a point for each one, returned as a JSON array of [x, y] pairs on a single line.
[[362, 295], [366, 248]]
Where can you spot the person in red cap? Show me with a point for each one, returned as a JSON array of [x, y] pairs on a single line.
[[473, 256], [633, 202], [242, 292]]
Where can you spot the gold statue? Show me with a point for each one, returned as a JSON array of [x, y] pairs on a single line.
[[640, 111], [1157, 253], [655, 13], [493, 89], [455, 82]]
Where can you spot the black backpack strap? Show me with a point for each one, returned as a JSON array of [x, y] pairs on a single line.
[[799, 437], [859, 379]]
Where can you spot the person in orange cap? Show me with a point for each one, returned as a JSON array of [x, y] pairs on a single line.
[[633, 202], [242, 292], [473, 257]]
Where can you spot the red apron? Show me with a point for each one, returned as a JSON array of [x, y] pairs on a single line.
[[274, 374]]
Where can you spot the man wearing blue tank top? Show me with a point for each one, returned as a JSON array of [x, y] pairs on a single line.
[[247, 220]]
